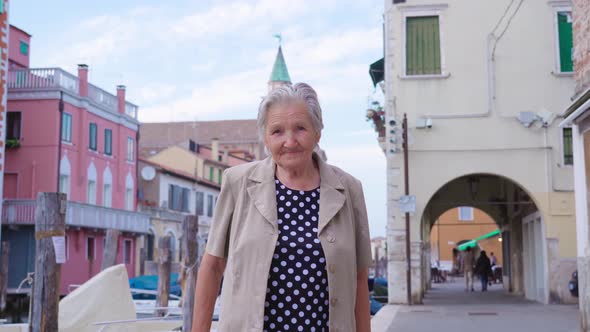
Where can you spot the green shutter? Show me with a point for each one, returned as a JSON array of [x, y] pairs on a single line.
[[211, 170], [566, 42], [1, 6], [422, 46], [108, 142], [92, 143], [24, 48]]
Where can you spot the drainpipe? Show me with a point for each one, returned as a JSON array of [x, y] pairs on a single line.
[[61, 110]]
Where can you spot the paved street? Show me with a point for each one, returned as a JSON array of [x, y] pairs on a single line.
[[447, 308]]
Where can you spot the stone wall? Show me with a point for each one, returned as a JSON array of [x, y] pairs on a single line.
[[581, 26]]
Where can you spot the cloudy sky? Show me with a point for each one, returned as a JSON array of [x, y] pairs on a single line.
[[211, 59]]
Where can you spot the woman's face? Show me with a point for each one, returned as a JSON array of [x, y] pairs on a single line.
[[290, 136]]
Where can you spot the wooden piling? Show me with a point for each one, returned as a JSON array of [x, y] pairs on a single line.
[[190, 248], [109, 255], [164, 269], [49, 222]]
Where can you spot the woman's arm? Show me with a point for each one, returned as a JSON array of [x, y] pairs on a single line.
[[362, 308], [208, 281]]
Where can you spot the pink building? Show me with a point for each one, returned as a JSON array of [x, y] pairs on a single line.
[[66, 134]]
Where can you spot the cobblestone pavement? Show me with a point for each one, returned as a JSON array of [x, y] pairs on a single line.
[[448, 308]]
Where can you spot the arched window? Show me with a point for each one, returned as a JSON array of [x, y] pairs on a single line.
[[107, 188], [129, 199], [91, 185], [65, 175]]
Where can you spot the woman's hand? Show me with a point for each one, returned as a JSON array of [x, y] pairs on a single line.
[[208, 282], [362, 308]]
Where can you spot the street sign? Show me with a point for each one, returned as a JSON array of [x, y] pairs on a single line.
[[407, 203]]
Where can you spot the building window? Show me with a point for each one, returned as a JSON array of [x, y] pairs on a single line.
[[423, 46], [127, 251], [129, 199], [13, 124], [178, 198], [568, 152], [200, 202], [92, 138], [211, 173], [24, 48], [91, 194], [108, 142], [219, 175], [209, 205], [90, 248], [565, 41], [130, 148], [64, 184], [107, 195], [465, 213], [66, 127]]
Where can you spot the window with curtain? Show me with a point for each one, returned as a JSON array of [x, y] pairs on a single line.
[[568, 151], [92, 138], [129, 199], [91, 192], [423, 46], [64, 184], [107, 195], [566, 42], [66, 127]]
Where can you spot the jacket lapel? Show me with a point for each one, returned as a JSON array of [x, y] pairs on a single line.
[[332, 197], [262, 191]]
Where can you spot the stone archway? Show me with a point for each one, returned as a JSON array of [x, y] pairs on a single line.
[[510, 206]]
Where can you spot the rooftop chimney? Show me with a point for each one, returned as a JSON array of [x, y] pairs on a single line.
[[121, 99], [83, 77]]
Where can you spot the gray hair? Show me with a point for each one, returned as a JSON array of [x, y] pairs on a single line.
[[287, 94]]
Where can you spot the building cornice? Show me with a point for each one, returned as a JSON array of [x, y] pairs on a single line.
[[77, 101]]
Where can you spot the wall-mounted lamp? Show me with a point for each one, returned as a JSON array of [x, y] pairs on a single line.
[[422, 123]]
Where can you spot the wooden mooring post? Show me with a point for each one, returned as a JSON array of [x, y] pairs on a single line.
[[109, 255], [50, 228], [190, 248], [164, 269], [4, 274]]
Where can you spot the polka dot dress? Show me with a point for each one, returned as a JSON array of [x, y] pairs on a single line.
[[297, 291]]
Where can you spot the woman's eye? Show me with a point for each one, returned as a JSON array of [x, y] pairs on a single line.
[[276, 131], [300, 128]]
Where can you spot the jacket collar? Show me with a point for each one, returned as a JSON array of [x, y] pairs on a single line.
[[262, 191]]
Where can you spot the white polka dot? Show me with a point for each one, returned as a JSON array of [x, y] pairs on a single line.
[[313, 265], [272, 325], [282, 198], [285, 238], [304, 285], [292, 244], [310, 293], [275, 283], [308, 246], [279, 319], [298, 264], [308, 199], [296, 292], [301, 314], [287, 312], [275, 256], [288, 299], [301, 239], [307, 223], [311, 279], [280, 305], [297, 278], [277, 181], [287, 215], [322, 259], [300, 251], [281, 209], [307, 320], [289, 192], [283, 263], [313, 195], [306, 258], [293, 222], [308, 234], [301, 229], [288, 203], [284, 250], [295, 198], [302, 300], [282, 277], [315, 230], [293, 233], [281, 291], [307, 211], [275, 269], [301, 204], [274, 298], [300, 217], [282, 186], [290, 284], [286, 326], [293, 320], [266, 304], [290, 271], [316, 240], [316, 252]]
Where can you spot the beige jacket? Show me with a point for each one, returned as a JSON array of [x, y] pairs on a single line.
[[245, 230]]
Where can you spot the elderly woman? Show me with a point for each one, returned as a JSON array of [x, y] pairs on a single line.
[[289, 235]]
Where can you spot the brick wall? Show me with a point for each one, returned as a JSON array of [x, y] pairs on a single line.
[[581, 26]]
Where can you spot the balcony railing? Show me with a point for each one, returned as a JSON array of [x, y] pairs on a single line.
[[32, 79], [22, 212], [42, 78]]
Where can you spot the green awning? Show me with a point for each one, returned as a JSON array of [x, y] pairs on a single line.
[[377, 71], [473, 242]]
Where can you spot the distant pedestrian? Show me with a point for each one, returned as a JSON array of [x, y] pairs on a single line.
[[483, 267], [492, 259], [468, 262]]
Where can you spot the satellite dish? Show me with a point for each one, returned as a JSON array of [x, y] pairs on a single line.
[[148, 173]]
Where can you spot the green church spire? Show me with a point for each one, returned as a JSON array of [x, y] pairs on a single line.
[[279, 70]]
